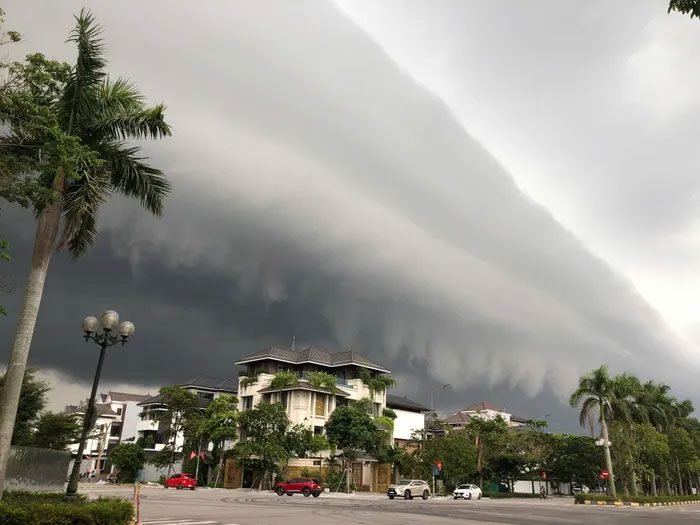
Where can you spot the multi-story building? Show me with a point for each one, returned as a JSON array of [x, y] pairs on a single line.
[[409, 422], [117, 414], [484, 410], [306, 403], [152, 431]]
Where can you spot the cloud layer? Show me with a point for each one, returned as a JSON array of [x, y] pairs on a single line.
[[321, 192]]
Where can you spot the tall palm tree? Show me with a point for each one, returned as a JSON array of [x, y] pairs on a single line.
[[596, 393], [100, 116]]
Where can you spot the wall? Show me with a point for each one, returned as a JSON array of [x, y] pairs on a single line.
[[37, 469], [406, 422], [153, 473], [130, 419]]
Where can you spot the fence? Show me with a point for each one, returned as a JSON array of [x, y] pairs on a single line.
[[37, 469]]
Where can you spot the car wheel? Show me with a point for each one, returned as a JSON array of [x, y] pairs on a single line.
[[290, 494], [178, 487], [470, 496], [316, 494], [192, 488], [391, 497], [426, 494], [407, 494], [455, 497], [280, 491], [479, 496], [306, 492]]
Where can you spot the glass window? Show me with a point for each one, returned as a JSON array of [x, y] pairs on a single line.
[[246, 402]]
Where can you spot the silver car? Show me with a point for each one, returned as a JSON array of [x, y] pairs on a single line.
[[409, 488]]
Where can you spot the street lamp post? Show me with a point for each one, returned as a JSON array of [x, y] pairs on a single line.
[[432, 412], [104, 339]]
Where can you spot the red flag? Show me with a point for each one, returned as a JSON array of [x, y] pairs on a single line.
[[193, 455], [201, 455]]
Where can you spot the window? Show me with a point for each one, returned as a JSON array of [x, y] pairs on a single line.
[[320, 408], [341, 402], [246, 402], [115, 431], [119, 411], [285, 399], [318, 431], [205, 395]]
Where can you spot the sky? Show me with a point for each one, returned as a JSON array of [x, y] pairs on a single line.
[[495, 195]]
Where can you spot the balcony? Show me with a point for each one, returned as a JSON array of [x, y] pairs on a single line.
[[146, 425]]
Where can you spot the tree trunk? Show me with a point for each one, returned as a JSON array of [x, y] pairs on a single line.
[[633, 483], [608, 460], [44, 242], [680, 480], [667, 481], [653, 483]]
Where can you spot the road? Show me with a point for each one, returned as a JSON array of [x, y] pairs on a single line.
[[241, 507]]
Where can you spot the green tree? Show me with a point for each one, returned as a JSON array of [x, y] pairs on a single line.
[[219, 427], [575, 458], [56, 431], [129, 459], [85, 158], [458, 455], [691, 7], [300, 441], [597, 394], [262, 438], [32, 401], [181, 416]]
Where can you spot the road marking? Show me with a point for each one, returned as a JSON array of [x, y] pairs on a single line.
[[171, 521]]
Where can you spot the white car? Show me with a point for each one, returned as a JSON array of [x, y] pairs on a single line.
[[409, 488], [578, 488], [467, 492]]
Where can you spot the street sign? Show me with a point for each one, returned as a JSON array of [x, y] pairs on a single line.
[[438, 465], [604, 474]]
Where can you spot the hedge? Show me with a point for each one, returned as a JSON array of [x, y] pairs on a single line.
[[51, 509], [580, 498], [496, 495]]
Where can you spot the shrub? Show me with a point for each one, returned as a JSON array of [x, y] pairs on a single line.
[[495, 495], [51, 509], [129, 459], [580, 498], [284, 379], [322, 380]]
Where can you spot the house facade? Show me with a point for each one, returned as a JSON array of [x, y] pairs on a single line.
[[409, 422], [116, 421], [306, 403], [483, 410], [153, 432]]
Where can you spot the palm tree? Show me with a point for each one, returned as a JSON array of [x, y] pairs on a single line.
[[596, 393], [100, 116]]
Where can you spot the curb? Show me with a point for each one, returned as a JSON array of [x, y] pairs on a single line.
[[635, 504]]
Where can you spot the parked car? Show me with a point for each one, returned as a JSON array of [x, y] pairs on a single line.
[[578, 488], [409, 488], [181, 481], [306, 486], [467, 492]]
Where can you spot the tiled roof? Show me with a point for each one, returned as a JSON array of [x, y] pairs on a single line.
[[403, 403], [160, 400], [122, 396], [302, 386], [212, 383], [319, 356], [458, 419], [482, 405]]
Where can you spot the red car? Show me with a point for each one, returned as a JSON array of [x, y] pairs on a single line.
[[306, 486], [181, 481]]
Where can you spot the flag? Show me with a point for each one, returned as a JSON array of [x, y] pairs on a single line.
[[193, 455]]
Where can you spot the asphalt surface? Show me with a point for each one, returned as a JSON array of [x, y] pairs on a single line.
[[242, 507]]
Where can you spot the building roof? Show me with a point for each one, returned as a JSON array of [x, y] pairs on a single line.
[[101, 410], [458, 419], [302, 386], [403, 403], [212, 383], [319, 356], [122, 396], [483, 405], [159, 399]]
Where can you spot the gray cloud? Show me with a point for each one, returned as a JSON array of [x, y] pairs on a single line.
[[320, 192]]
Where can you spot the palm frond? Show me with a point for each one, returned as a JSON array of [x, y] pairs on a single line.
[[133, 178], [590, 405], [136, 124], [87, 74], [82, 198], [119, 96]]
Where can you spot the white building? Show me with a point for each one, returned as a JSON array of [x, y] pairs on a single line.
[[117, 416], [483, 410], [410, 419], [153, 432], [305, 403]]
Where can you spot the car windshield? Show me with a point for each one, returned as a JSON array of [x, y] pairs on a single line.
[[404, 482], [463, 487]]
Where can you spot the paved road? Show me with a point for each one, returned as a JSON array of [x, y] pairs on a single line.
[[220, 507]]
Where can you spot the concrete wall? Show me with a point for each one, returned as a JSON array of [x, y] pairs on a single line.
[[406, 423], [130, 418], [37, 469], [153, 473]]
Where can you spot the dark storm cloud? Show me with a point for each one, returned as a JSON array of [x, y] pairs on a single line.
[[319, 192]]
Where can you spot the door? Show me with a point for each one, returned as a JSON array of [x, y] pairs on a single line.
[[357, 474]]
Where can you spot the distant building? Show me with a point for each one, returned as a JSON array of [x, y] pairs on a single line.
[[117, 417], [483, 410], [153, 431], [410, 419]]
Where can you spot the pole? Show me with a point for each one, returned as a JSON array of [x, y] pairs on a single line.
[[196, 470], [72, 489]]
